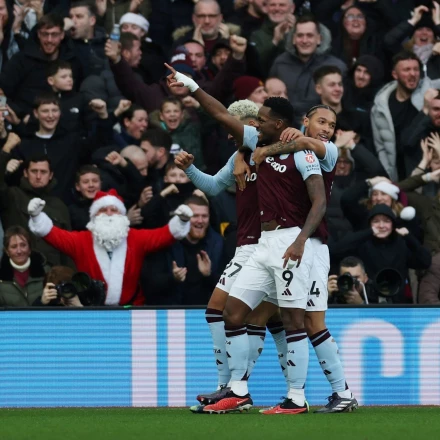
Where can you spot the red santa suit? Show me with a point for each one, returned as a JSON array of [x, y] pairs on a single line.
[[121, 272]]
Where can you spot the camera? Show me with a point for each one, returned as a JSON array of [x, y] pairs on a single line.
[[346, 282], [388, 282], [90, 292]]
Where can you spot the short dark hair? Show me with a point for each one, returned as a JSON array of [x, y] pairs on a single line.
[[280, 108], [12, 231], [196, 200], [158, 138], [90, 5], [170, 166], [50, 20], [405, 55], [56, 66], [37, 158], [59, 274], [171, 100], [127, 40], [324, 71], [46, 98], [307, 18], [315, 108], [86, 169], [129, 113], [352, 262]]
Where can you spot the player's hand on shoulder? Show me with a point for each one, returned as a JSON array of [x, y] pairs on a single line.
[[290, 134]]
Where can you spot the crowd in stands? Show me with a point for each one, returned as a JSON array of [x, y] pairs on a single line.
[[80, 113]]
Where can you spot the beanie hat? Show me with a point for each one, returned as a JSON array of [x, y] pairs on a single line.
[[381, 210], [425, 21], [104, 199], [387, 188], [245, 86], [136, 19], [182, 62], [221, 44]]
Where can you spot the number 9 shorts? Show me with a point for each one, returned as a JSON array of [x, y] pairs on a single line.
[[264, 278]]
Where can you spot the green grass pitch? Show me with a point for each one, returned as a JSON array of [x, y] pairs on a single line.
[[367, 423]]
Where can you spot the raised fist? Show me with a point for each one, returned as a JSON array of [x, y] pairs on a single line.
[[183, 160], [184, 212], [35, 206]]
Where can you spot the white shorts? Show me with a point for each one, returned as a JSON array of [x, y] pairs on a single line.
[[318, 294], [263, 276], [234, 267]]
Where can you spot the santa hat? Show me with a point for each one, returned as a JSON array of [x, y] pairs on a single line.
[[136, 19], [245, 86], [104, 199], [387, 188], [182, 62]]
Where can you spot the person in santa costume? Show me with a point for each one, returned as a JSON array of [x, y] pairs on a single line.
[[110, 251]]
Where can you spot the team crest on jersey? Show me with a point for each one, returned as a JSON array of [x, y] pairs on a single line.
[[310, 158]]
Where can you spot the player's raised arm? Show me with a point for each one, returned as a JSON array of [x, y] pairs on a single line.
[[213, 107]]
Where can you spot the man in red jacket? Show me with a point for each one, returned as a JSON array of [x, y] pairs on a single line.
[[110, 251]]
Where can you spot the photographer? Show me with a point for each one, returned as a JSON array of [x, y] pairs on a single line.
[[354, 267], [53, 292], [384, 246]]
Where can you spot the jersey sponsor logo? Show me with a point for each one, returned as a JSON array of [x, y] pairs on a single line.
[[310, 158], [276, 166]]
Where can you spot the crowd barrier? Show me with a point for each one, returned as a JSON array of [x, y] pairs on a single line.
[[149, 358]]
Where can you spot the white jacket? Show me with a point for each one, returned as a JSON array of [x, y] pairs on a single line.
[[382, 121]]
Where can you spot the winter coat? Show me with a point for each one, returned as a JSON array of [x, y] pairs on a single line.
[[298, 76], [248, 23], [159, 285], [79, 212], [126, 181], [11, 293], [91, 53], [382, 121], [262, 40], [24, 76], [428, 208], [14, 202], [395, 252], [363, 99]]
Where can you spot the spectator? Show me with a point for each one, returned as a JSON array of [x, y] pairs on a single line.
[[383, 245], [306, 50], [395, 108], [219, 56], [57, 276], [187, 273], [422, 31], [354, 267], [75, 113], [329, 87], [124, 172], [156, 143], [249, 87], [37, 179], [8, 45], [207, 28], [426, 123], [151, 67], [111, 12], [131, 49], [270, 39], [362, 83], [356, 38], [66, 150], [88, 39], [24, 76], [250, 17], [428, 209], [22, 270], [197, 55], [87, 184], [275, 87], [134, 123], [110, 251]]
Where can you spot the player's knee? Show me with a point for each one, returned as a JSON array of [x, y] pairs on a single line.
[[293, 319], [231, 317], [313, 323]]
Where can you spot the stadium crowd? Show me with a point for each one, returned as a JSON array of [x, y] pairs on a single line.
[[85, 107]]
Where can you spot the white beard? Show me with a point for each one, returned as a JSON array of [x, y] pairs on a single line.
[[109, 230]]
